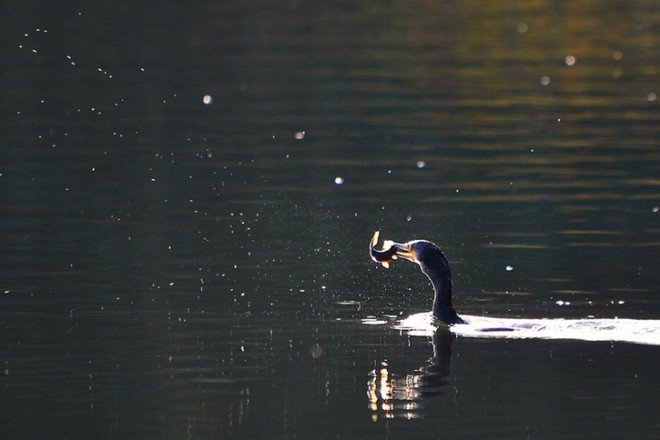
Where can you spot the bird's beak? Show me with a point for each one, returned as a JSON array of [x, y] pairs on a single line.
[[404, 250]]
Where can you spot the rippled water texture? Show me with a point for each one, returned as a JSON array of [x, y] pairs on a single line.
[[187, 193]]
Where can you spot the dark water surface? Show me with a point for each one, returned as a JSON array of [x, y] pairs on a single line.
[[172, 269]]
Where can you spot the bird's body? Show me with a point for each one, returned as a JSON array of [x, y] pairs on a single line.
[[436, 267]]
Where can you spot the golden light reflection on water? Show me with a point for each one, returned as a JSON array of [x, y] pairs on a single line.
[[393, 396]]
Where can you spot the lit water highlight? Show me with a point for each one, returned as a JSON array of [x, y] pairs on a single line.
[[638, 331]]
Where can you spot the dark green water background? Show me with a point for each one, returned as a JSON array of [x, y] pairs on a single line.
[[171, 269]]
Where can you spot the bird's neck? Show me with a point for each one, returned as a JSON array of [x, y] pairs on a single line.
[[440, 276]]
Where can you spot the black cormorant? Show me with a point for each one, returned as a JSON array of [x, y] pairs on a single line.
[[433, 263], [435, 266]]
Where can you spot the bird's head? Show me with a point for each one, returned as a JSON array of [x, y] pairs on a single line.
[[422, 252]]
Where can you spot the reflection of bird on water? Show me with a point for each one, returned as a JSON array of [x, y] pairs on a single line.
[[433, 263], [393, 396]]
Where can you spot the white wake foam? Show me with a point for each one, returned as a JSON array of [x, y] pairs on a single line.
[[638, 331]]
